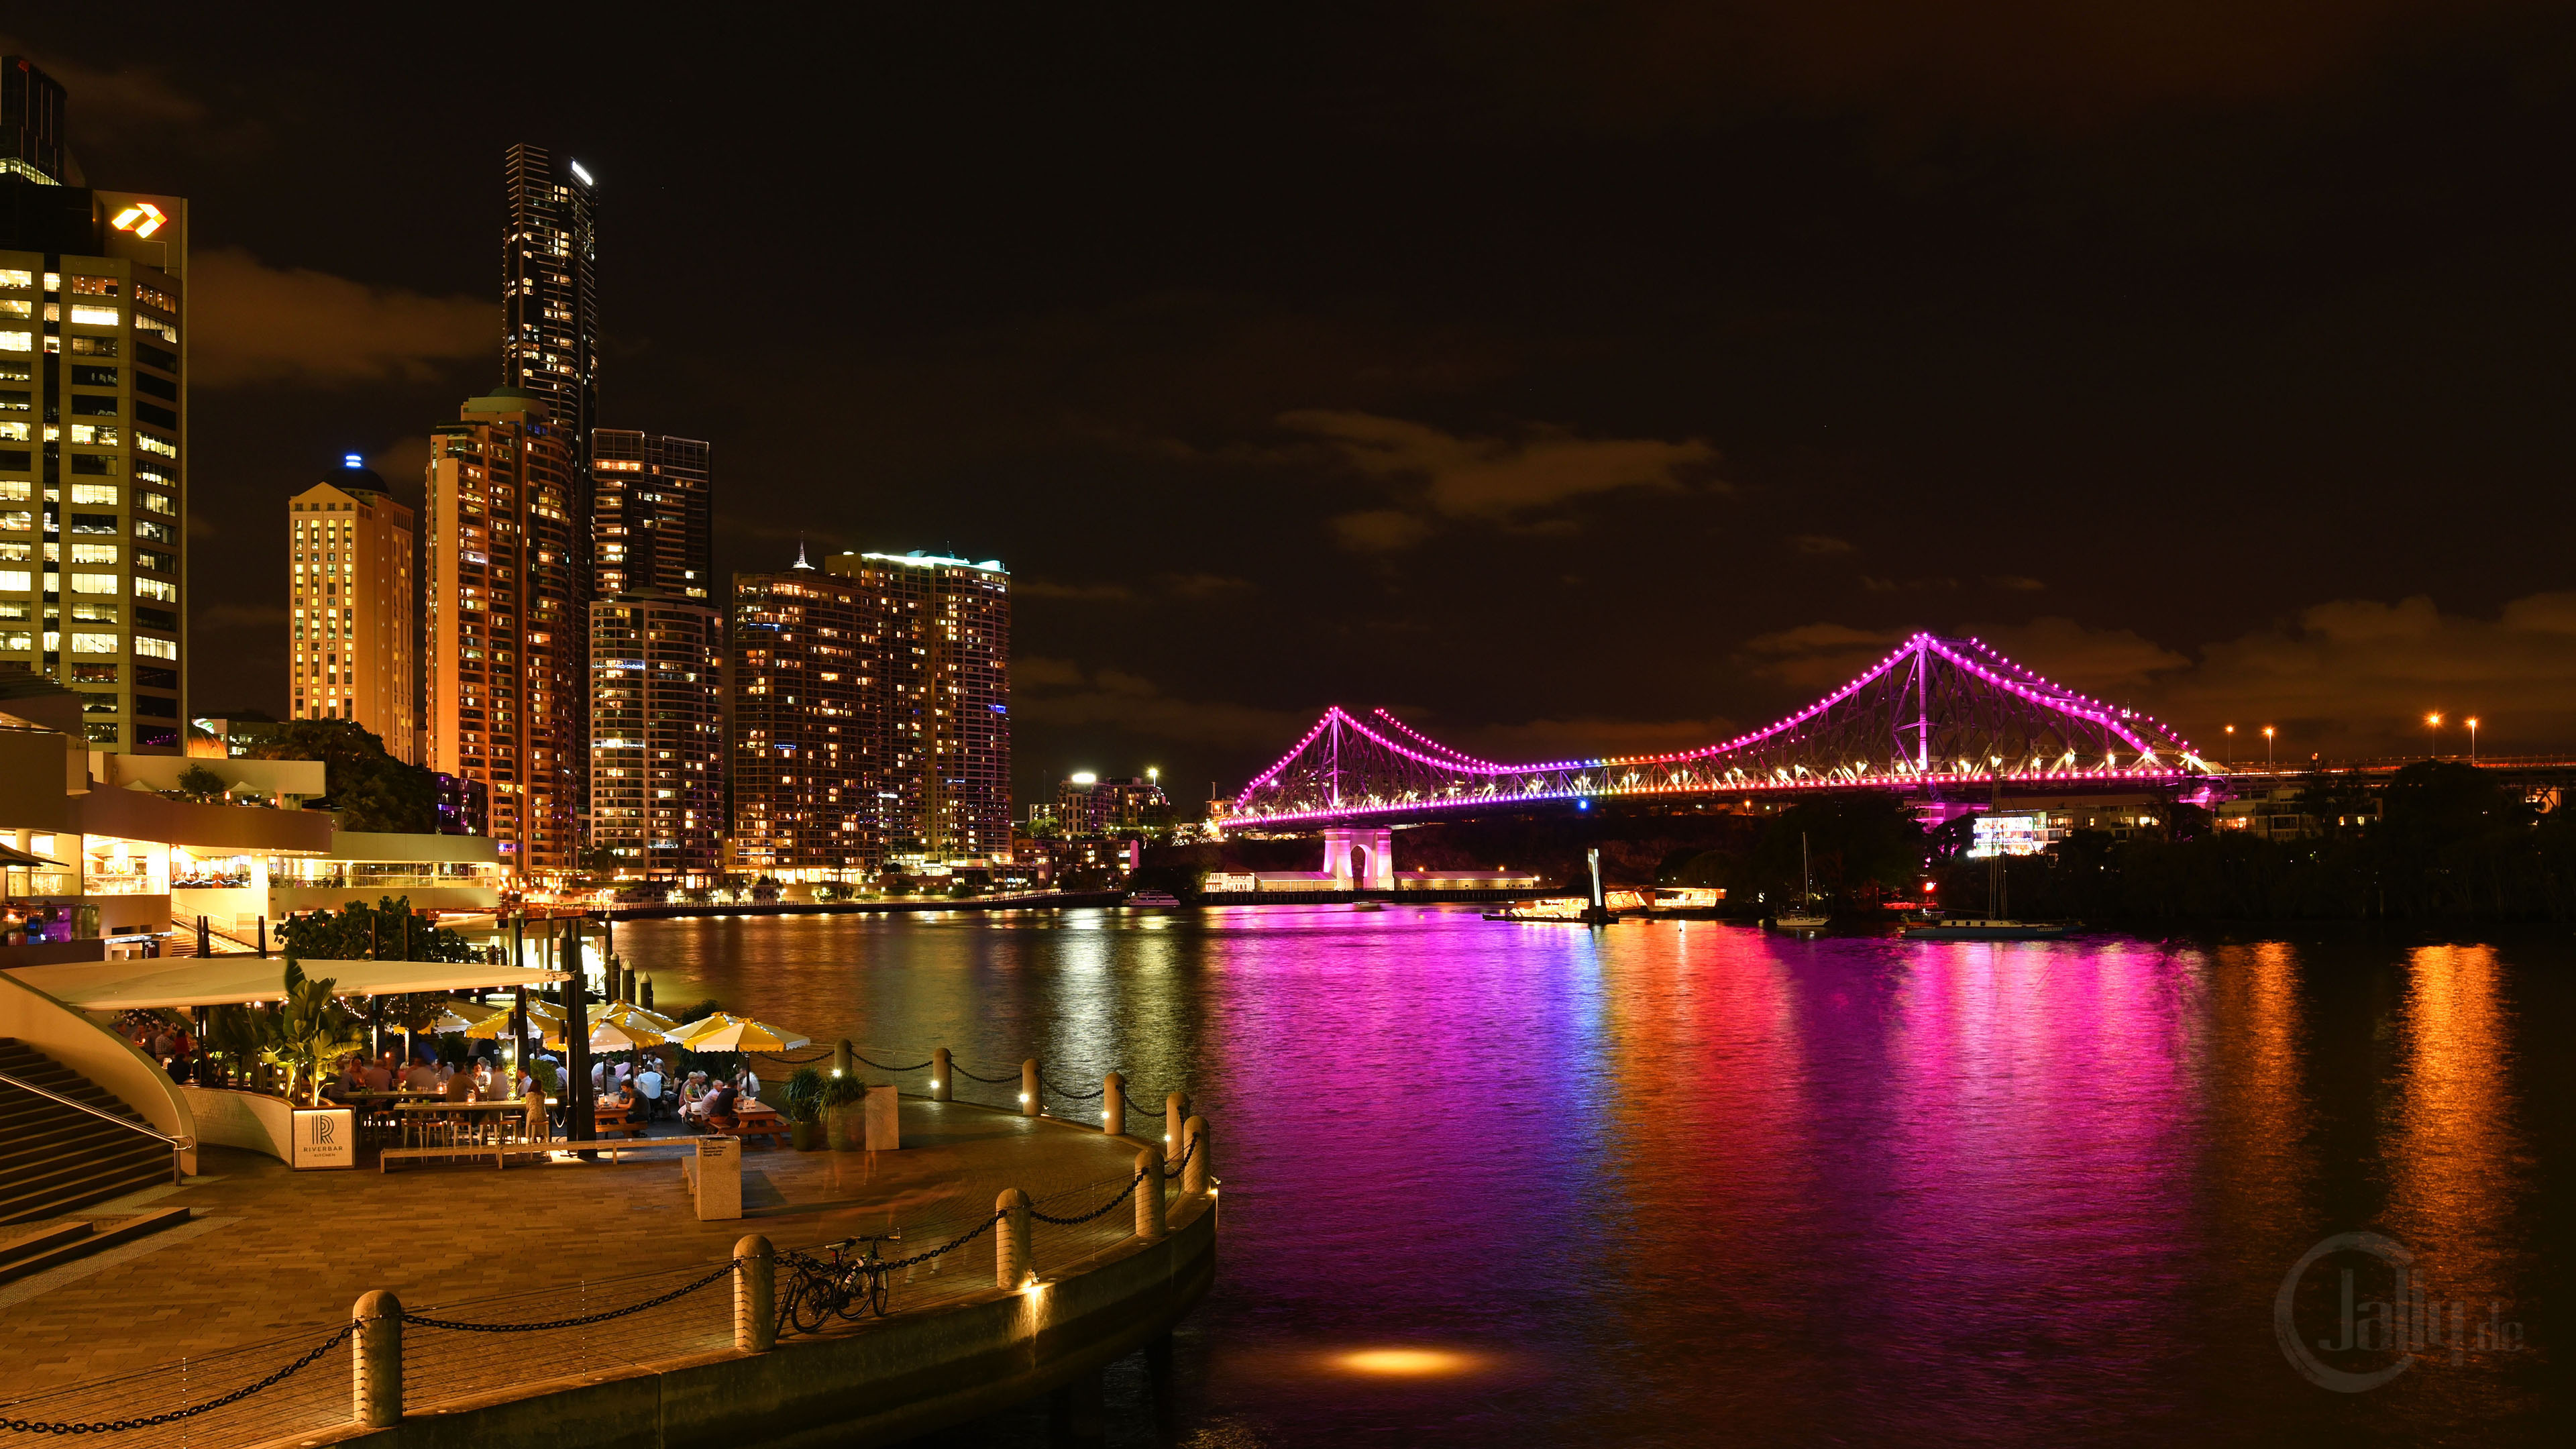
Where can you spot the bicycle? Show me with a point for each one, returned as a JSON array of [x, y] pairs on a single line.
[[851, 1287]]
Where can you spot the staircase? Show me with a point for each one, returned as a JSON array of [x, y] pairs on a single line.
[[54, 1158]]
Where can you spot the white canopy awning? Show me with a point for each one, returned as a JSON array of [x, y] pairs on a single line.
[[224, 980]]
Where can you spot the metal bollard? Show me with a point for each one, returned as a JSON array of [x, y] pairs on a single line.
[[939, 1088], [1176, 1110], [1011, 1239], [842, 1066], [376, 1370], [1194, 1146], [1113, 1105], [755, 1295], [1149, 1195], [1030, 1103]]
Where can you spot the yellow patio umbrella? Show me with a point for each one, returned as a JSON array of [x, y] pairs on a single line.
[[465, 1016], [543, 1017], [724, 1032], [609, 1036], [623, 1012]]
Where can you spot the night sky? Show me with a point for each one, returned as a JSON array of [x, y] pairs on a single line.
[[1565, 378]]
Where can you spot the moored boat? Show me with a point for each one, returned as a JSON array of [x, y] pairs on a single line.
[[1986, 930]]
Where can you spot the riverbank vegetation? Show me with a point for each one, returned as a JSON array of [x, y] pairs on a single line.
[[2449, 842]]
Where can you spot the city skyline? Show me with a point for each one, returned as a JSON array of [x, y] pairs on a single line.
[[1807, 404]]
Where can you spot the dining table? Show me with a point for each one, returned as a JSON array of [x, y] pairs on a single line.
[[444, 1124]]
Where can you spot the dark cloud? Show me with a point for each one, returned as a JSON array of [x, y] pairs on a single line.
[[1440, 476], [1062, 696], [260, 324], [1643, 65]]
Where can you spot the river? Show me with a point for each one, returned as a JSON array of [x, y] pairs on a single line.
[[1509, 1184]]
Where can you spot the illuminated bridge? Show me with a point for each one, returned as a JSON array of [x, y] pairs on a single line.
[[1937, 713]]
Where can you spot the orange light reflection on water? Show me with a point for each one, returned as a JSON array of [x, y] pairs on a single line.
[[1408, 1363]]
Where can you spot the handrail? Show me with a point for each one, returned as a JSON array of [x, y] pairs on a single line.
[[175, 1143]]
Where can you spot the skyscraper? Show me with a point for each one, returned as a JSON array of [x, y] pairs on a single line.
[[804, 769], [650, 511], [32, 104], [505, 647], [942, 704], [93, 430], [549, 301], [351, 548], [657, 760]]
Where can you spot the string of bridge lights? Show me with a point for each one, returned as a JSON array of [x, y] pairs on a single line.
[[2004, 673]]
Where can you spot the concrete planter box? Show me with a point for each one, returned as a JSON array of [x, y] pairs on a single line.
[[805, 1136], [847, 1126]]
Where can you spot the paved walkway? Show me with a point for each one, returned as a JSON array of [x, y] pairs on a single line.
[[269, 1251]]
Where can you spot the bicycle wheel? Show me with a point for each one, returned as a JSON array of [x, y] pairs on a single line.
[[877, 1292], [850, 1295], [809, 1309]]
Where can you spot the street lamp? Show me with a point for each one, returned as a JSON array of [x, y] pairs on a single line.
[[2433, 722], [2472, 723], [2267, 747], [2231, 744]]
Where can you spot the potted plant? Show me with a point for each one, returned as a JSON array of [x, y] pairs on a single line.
[[845, 1114], [804, 1097]]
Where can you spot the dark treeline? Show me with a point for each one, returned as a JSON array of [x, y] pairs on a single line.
[[2450, 841], [2441, 840]]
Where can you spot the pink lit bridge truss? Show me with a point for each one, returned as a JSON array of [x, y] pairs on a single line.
[[1936, 713]]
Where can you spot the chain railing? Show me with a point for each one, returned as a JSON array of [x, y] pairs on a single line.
[[660, 1315], [1137, 1097], [242, 1394]]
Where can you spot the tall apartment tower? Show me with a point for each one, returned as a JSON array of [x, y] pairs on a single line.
[[505, 643], [93, 431], [549, 297], [651, 519], [804, 767], [351, 547], [943, 702], [657, 759]]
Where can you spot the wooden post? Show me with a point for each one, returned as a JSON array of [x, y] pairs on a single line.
[[843, 1064], [376, 1361], [1011, 1239], [581, 1121], [1113, 1105], [1176, 1110], [1030, 1103], [1149, 1195], [519, 1033], [755, 1295], [1196, 1168], [941, 1088]]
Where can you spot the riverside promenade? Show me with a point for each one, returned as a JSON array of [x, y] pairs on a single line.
[[269, 1269]]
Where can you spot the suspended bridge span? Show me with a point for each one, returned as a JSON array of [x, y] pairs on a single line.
[[1937, 713]]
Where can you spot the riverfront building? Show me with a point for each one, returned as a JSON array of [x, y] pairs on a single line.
[[506, 627], [806, 776], [1088, 805], [942, 703], [657, 759], [651, 524], [93, 431], [352, 630]]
